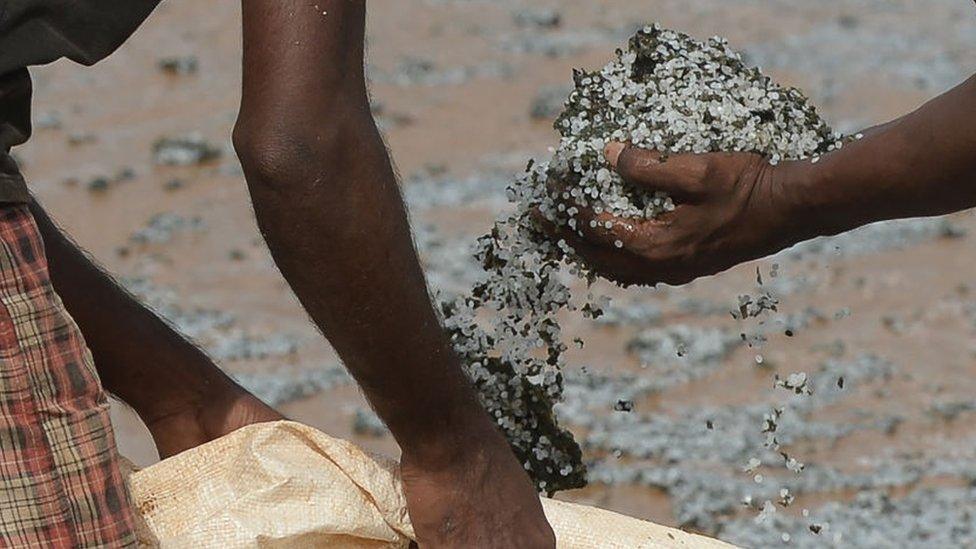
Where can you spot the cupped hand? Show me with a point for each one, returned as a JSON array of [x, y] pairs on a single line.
[[476, 496], [730, 208]]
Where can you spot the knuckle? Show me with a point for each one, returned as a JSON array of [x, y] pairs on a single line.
[[699, 172], [703, 170], [632, 162]]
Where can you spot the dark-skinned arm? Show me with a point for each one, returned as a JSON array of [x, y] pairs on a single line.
[[329, 205], [922, 164], [179, 393], [736, 207]]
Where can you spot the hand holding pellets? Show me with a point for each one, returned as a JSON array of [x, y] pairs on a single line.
[[666, 92]]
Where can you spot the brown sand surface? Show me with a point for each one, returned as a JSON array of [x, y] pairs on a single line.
[[911, 303]]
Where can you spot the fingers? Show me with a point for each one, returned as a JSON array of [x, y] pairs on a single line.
[[592, 239], [607, 262], [627, 266], [611, 233], [596, 249], [606, 230], [622, 250], [680, 175], [603, 230]]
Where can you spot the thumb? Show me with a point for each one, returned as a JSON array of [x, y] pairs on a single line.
[[678, 175]]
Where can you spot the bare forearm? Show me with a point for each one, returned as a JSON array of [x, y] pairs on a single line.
[[328, 204], [922, 164], [138, 356]]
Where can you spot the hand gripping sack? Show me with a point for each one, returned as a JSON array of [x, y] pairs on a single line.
[[284, 484]]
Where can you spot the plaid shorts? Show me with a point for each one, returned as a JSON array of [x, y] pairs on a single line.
[[60, 484]]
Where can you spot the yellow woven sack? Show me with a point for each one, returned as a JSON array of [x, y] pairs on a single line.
[[284, 484]]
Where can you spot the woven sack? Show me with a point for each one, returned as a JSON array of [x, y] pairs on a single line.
[[284, 484]]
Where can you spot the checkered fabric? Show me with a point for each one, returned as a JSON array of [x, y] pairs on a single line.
[[60, 484]]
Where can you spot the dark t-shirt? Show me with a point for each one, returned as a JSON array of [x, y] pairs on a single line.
[[35, 32]]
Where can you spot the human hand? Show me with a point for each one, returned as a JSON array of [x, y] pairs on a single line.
[[201, 420], [731, 208], [473, 495]]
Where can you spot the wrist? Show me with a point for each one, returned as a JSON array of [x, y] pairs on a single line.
[[810, 209], [222, 410], [451, 438], [851, 186], [428, 402], [193, 387]]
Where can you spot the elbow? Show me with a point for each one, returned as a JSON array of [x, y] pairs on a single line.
[[280, 156]]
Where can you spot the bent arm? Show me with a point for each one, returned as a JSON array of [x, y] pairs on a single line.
[[329, 206], [328, 203], [181, 395], [921, 164]]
